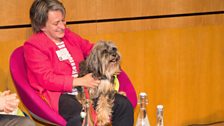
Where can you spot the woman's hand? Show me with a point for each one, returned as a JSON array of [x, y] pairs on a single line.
[[8, 102], [86, 81]]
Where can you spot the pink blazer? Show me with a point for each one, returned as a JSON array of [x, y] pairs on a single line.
[[51, 77]]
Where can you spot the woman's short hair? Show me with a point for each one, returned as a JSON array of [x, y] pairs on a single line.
[[39, 12]]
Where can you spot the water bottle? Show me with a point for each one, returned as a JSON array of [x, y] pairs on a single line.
[[142, 119], [159, 117]]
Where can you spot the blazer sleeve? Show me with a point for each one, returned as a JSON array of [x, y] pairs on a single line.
[[40, 69], [127, 87]]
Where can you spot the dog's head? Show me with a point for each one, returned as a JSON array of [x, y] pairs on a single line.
[[103, 61]]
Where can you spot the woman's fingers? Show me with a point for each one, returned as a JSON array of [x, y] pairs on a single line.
[[11, 103]]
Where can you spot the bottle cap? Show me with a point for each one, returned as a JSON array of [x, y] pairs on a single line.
[[142, 94], [160, 107], [143, 98]]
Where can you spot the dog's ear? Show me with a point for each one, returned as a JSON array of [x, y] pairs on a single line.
[[94, 64], [83, 68]]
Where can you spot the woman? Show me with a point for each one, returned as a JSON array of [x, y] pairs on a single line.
[[53, 54]]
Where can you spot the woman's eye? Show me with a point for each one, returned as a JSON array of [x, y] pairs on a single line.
[[55, 23]]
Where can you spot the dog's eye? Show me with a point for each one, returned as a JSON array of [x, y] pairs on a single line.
[[104, 51], [114, 49]]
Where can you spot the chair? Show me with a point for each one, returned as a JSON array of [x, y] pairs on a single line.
[[35, 105]]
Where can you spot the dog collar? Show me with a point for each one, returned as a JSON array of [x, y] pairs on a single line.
[[116, 83]]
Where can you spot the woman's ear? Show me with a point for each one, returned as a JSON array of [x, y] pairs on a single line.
[[43, 29]]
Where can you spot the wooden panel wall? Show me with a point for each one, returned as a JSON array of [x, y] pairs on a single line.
[[178, 61], [180, 67], [14, 12]]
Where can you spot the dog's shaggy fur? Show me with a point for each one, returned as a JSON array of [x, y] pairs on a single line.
[[103, 62]]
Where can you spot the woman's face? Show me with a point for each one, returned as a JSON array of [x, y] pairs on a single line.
[[55, 26]]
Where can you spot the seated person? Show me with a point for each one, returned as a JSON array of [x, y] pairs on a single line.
[[53, 54], [8, 104]]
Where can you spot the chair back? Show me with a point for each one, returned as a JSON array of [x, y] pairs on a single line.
[[33, 102]]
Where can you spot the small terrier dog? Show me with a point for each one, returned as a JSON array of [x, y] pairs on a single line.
[[104, 63]]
